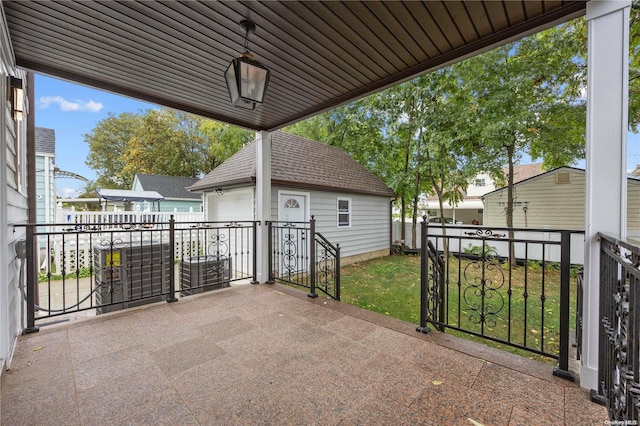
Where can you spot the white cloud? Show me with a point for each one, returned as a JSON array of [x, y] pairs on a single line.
[[65, 105], [68, 193]]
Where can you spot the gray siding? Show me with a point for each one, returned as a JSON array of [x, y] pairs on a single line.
[[13, 204], [554, 205], [370, 222]]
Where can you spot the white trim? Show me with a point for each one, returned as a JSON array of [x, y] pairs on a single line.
[[338, 213], [606, 181], [263, 203]]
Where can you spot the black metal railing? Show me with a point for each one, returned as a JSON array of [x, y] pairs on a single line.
[[111, 266], [579, 311], [300, 256], [327, 266], [619, 336], [510, 286]]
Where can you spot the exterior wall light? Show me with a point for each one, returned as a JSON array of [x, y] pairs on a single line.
[[247, 79], [17, 98]]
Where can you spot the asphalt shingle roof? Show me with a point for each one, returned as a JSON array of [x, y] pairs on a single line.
[[299, 162], [45, 141], [168, 186]]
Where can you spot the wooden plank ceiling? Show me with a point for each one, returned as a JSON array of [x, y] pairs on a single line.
[[321, 54]]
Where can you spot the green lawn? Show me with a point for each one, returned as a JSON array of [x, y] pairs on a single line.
[[391, 286]]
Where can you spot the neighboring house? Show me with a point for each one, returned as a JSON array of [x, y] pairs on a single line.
[[555, 199], [472, 207], [45, 175], [173, 189], [351, 206]]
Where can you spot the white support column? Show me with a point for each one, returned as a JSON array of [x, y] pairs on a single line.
[[263, 202], [606, 191]]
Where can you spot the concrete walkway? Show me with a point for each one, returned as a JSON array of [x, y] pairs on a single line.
[[267, 354]]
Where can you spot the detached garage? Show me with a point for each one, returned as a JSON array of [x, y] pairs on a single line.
[[352, 206]]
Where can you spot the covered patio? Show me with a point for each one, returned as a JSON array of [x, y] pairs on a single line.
[[268, 354]]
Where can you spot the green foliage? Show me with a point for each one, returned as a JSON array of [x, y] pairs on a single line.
[[84, 273], [477, 250], [534, 265], [158, 141]]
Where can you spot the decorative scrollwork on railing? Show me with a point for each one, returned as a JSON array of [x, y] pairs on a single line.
[[434, 298], [484, 278], [133, 226], [326, 266], [202, 225], [104, 242], [218, 245], [289, 254], [485, 233], [617, 335], [80, 227], [289, 225], [233, 225]]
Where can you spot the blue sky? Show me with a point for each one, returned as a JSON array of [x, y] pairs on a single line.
[[73, 110]]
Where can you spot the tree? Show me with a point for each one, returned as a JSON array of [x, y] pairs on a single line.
[[528, 96], [159, 141], [108, 142]]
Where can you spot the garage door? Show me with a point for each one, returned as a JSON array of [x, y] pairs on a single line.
[[234, 205]]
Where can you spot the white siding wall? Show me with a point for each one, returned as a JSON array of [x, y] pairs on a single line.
[[554, 205], [370, 222], [13, 200]]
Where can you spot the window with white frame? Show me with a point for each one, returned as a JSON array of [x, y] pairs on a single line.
[[479, 182], [344, 212]]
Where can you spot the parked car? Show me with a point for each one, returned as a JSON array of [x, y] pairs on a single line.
[[443, 219]]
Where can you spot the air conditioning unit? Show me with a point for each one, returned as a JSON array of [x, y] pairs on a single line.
[[204, 273], [131, 274]]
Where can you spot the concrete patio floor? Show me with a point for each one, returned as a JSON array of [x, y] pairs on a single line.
[[267, 354]]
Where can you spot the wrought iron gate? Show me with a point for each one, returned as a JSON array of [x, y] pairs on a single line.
[[298, 255]]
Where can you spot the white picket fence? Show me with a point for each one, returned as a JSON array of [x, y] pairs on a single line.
[[82, 217]]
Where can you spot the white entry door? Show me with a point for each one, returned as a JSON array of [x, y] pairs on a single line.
[[293, 240], [292, 207]]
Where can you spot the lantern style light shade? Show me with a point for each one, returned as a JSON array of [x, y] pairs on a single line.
[[247, 81]]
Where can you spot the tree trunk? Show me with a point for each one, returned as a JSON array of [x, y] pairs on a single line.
[[403, 230]]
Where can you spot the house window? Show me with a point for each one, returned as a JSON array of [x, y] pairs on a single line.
[[291, 204], [479, 182], [344, 212]]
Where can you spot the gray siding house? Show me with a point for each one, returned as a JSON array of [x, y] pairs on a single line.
[[351, 206], [172, 188], [45, 175], [556, 200]]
